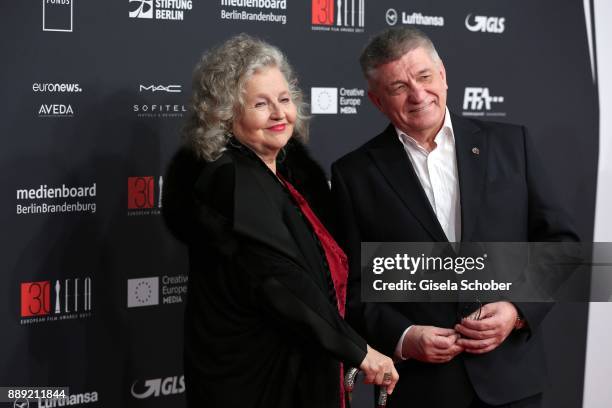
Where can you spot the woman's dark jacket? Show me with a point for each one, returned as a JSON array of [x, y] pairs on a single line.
[[261, 325]]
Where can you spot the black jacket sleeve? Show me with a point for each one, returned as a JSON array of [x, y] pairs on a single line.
[[379, 323]]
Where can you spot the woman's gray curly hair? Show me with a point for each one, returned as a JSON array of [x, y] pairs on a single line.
[[219, 80]]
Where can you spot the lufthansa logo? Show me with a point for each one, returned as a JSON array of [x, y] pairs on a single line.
[[21, 403], [391, 17]]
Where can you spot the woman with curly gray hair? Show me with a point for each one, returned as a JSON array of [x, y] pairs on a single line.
[[264, 320]]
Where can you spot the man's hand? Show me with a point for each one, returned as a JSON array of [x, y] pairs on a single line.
[[496, 323], [431, 344]]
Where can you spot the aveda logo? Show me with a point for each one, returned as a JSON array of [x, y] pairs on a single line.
[[55, 110]]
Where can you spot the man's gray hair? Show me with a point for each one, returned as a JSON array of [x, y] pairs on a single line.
[[390, 45], [219, 81]]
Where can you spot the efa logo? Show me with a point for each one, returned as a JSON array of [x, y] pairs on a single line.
[[55, 297], [159, 387], [476, 99], [485, 24], [347, 13], [141, 192], [35, 298]]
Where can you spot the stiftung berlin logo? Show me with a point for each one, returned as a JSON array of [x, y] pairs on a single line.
[[160, 9], [486, 24]]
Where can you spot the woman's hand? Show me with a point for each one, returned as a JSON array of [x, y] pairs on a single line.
[[379, 370]]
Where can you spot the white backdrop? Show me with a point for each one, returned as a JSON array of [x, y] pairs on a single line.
[[598, 371]]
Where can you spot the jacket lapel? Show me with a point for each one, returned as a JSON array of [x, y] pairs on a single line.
[[472, 151], [391, 159], [264, 213], [258, 208]]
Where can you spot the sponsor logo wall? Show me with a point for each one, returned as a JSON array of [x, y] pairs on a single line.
[[93, 106]]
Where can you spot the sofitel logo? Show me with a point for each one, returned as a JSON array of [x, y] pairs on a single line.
[[55, 300]]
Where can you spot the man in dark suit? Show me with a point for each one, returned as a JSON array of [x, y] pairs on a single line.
[[434, 176]]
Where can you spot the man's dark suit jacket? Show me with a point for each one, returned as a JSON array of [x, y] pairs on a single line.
[[505, 197]]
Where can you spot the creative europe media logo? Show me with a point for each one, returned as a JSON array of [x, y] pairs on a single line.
[[326, 100], [147, 291]]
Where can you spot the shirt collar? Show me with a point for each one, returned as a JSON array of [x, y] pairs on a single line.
[[447, 129]]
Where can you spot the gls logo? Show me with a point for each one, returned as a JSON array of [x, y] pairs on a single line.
[[163, 386], [486, 24], [160, 88], [475, 98]]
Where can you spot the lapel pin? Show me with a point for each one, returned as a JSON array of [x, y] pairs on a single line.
[[476, 151]]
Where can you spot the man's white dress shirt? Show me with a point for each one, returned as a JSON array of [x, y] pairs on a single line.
[[437, 172]]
